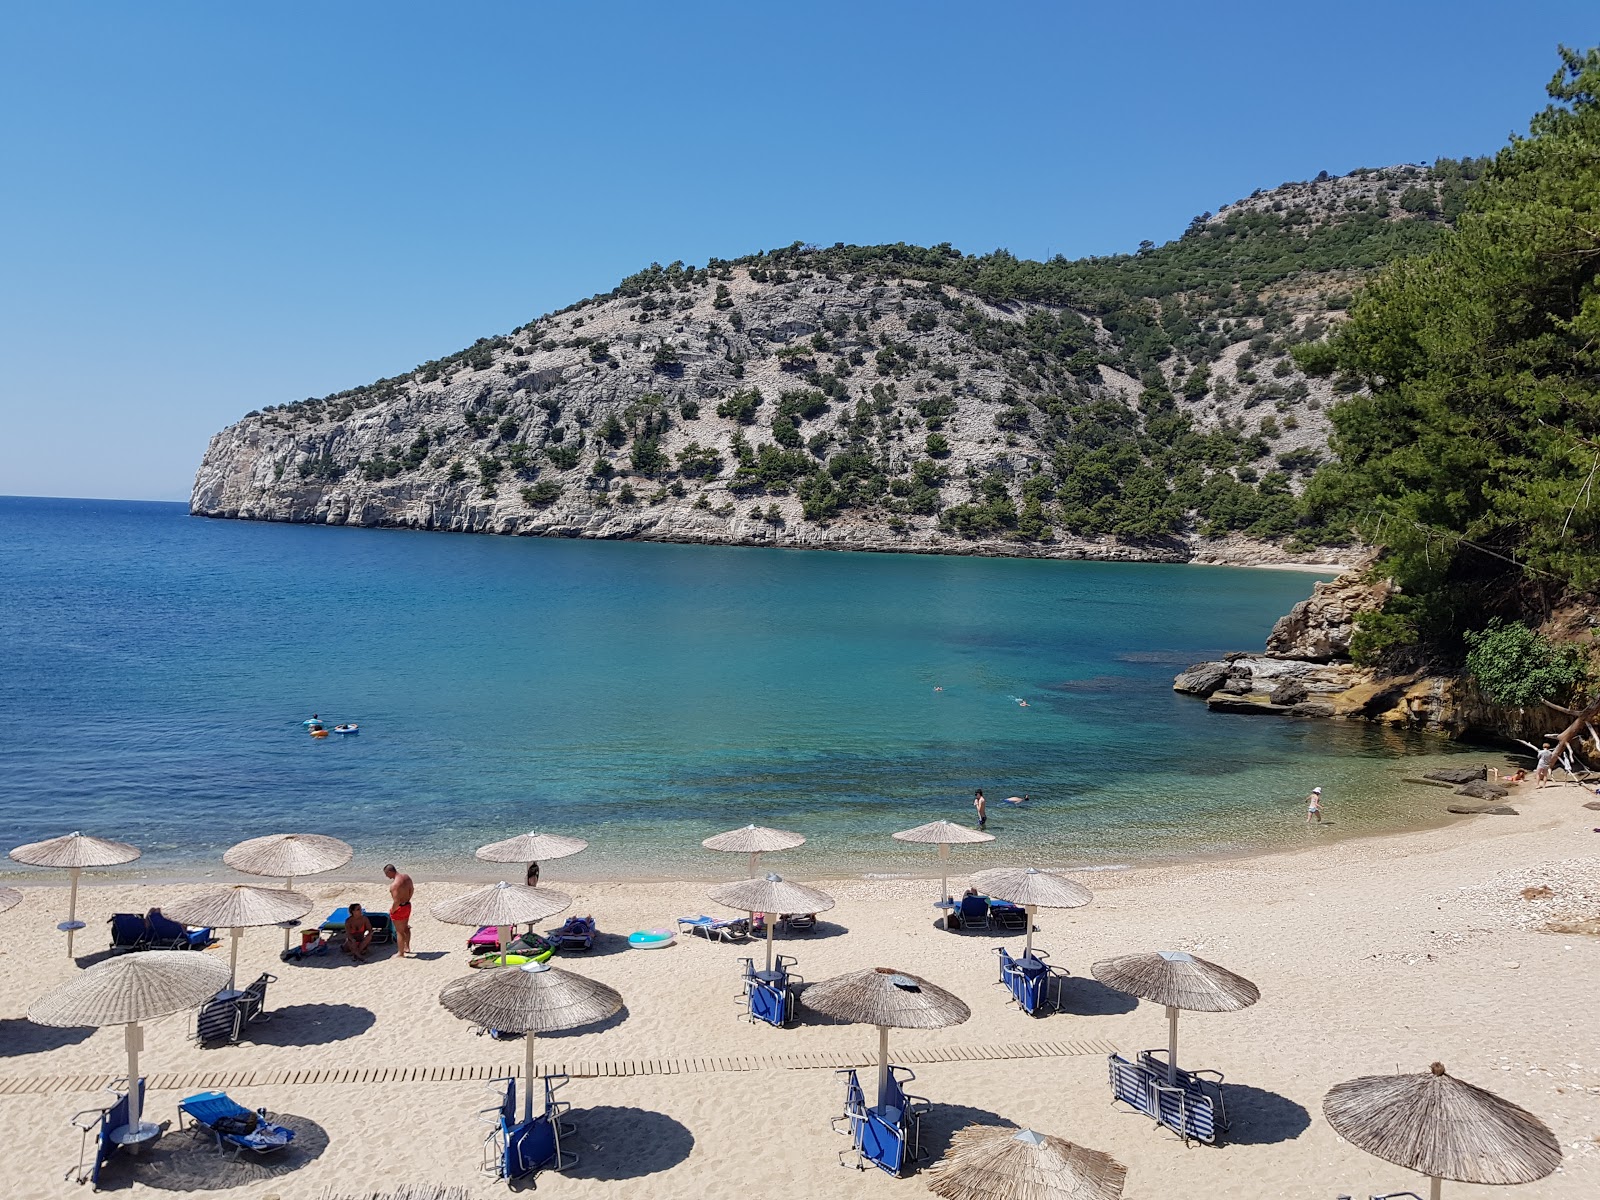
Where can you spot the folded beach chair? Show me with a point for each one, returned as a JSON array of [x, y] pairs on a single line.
[[1191, 1113], [217, 1115], [1206, 1116], [129, 931], [712, 929], [974, 912], [97, 1125], [516, 1148], [889, 1134], [577, 934], [770, 996], [855, 1107], [221, 1020], [1033, 984], [167, 934]]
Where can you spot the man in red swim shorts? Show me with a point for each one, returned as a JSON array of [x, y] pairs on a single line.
[[400, 889]]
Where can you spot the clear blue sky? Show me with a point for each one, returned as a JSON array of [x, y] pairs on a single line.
[[211, 207]]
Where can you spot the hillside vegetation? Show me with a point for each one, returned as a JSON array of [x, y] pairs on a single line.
[[888, 396], [1471, 452]]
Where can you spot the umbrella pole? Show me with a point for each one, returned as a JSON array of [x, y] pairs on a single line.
[[133, 1036], [1027, 948], [883, 1061], [503, 932], [1434, 1184], [1172, 1047], [233, 956], [527, 1077], [72, 910], [288, 886], [772, 928], [944, 881], [750, 867]]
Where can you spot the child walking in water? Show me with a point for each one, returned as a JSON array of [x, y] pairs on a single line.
[[982, 805], [1314, 807]]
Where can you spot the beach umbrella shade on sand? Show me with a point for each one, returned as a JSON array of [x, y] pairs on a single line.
[[771, 895], [9, 898], [1177, 980], [501, 905], [1442, 1127], [531, 848], [237, 907], [987, 1162], [754, 840], [943, 834], [126, 991], [1033, 889], [889, 999], [75, 851], [290, 855], [531, 999]]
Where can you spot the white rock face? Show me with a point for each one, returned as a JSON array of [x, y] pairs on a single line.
[[506, 438]]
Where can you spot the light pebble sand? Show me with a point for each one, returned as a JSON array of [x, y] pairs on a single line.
[[1371, 954]]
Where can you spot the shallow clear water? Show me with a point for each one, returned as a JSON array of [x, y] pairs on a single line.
[[155, 668]]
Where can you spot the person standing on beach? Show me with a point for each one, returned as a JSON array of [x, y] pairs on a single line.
[[1314, 807], [533, 874], [982, 805], [400, 890], [1542, 767]]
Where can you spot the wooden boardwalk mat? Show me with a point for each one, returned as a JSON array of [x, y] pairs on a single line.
[[189, 1081]]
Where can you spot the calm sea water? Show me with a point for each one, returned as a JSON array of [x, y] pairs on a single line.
[[155, 668]]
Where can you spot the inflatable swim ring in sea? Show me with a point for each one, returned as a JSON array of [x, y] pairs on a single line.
[[650, 939], [347, 729], [319, 733]]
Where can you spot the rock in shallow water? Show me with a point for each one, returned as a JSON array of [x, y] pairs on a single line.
[[1480, 789], [1201, 679]]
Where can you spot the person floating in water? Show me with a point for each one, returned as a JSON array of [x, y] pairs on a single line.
[[1016, 799], [314, 723], [982, 805]]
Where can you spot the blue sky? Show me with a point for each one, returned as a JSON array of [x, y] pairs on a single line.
[[207, 208]]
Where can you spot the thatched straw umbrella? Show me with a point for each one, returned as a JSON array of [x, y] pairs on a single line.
[[238, 906], [9, 898], [502, 905], [1442, 1127], [772, 895], [943, 834], [1177, 980], [290, 855], [987, 1162], [75, 851], [754, 840], [531, 999], [126, 991], [1033, 889], [885, 997], [531, 848]]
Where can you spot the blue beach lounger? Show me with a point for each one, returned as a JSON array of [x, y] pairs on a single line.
[[712, 929], [1033, 983], [1188, 1107], [217, 1115], [974, 912], [167, 934], [129, 931], [577, 934], [515, 1148]]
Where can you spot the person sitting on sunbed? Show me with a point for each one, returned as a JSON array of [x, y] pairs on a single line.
[[357, 934]]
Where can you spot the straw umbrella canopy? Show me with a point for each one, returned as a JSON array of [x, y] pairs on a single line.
[[501, 905], [531, 848], [1177, 980], [885, 997], [289, 855], [943, 834], [772, 895], [75, 851], [9, 898], [126, 991], [987, 1162], [532, 999], [237, 906], [1033, 889], [754, 840], [1442, 1127]]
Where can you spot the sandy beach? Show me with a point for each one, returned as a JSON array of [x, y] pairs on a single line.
[[1372, 955]]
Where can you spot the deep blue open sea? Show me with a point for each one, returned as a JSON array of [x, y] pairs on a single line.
[[155, 668]]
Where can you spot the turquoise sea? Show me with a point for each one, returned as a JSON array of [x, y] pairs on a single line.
[[155, 668]]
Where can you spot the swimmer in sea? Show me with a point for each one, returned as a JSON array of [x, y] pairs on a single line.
[[1022, 703]]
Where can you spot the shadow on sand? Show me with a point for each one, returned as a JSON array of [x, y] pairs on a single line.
[[1258, 1117], [190, 1162], [1086, 997], [18, 1035], [615, 1143], [311, 1025]]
